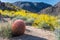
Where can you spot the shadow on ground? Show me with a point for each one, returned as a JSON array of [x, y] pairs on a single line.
[[27, 37]]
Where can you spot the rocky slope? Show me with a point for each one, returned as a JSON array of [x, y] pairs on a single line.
[[8, 6], [55, 10]]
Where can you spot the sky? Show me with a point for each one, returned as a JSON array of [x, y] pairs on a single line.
[[53, 2]]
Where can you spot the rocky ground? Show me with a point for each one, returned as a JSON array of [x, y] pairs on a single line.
[[32, 33]]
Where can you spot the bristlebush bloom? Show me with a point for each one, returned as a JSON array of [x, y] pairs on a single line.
[[44, 21]]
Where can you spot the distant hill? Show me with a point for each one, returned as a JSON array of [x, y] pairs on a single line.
[[8, 6], [55, 10], [32, 6]]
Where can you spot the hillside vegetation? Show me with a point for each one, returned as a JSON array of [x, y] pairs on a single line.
[[34, 19]]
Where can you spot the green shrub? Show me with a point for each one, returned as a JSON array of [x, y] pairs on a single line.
[[19, 17], [57, 34], [29, 21], [5, 30], [46, 26]]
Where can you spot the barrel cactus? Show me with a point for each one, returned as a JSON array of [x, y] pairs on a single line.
[[18, 27]]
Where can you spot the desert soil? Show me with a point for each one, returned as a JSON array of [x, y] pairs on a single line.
[[32, 33]]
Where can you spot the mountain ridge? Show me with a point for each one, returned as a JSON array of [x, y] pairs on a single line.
[[32, 6], [39, 7]]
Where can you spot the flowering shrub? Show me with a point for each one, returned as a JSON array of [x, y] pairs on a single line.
[[40, 20], [44, 20]]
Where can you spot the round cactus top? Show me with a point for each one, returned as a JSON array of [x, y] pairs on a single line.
[[20, 22]]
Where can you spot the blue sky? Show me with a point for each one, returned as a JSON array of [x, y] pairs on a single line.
[[46, 1]]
